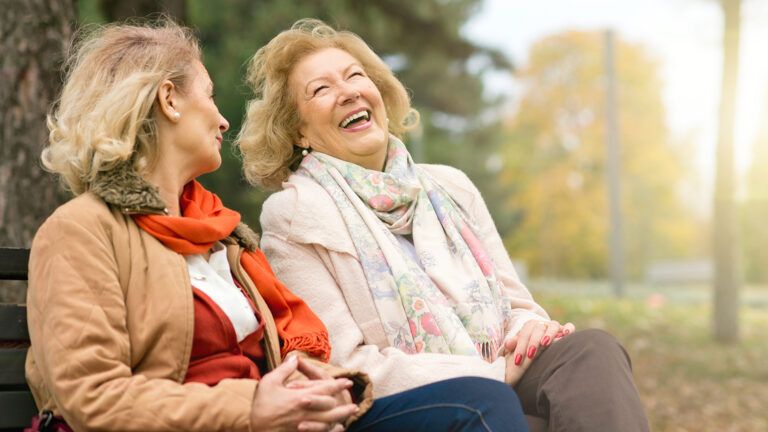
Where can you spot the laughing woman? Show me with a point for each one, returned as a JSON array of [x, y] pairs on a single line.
[[402, 261]]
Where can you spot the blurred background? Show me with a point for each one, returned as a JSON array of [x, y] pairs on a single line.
[[621, 146]]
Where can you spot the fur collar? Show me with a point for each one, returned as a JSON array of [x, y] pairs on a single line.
[[123, 188]]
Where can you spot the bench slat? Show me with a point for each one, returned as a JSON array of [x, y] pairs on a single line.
[[13, 263], [18, 409], [12, 367], [13, 323]]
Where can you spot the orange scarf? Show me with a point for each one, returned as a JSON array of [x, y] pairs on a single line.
[[205, 221]]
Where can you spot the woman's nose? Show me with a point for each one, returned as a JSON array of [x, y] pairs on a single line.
[[348, 94], [223, 124]]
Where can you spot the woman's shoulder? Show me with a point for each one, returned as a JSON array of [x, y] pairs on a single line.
[[453, 180], [85, 216], [84, 209], [304, 212]]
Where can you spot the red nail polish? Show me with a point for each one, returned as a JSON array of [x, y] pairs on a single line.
[[518, 359], [531, 352], [545, 340]]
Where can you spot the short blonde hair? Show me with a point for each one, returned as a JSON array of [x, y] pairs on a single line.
[[270, 130], [105, 114]]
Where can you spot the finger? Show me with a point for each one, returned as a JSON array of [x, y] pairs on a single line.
[[282, 372], [318, 402], [535, 339], [568, 328], [550, 334], [338, 427], [329, 387], [336, 415], [313, 426], [302, 384], [523, 337], [312, 371], [510, 344]]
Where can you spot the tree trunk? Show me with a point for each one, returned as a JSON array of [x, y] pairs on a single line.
[[34, 35], [725, 241], [119, 10]]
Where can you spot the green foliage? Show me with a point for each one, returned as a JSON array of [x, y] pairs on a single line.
[[554, 162]]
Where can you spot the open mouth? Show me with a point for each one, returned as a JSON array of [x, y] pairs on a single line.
[[355, 119]]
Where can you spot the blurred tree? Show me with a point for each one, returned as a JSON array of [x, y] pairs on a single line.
[[118, 10], [754, 211], [34, 36], [554, 162], [725, 241]]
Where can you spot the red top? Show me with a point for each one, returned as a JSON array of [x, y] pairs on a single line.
[[216, 354]]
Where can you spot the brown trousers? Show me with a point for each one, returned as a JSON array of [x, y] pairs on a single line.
[[583, 382]]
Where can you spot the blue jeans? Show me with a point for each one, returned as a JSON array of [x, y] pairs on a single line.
[[459, 404]]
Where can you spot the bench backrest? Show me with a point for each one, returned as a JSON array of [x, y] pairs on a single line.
[[16, 404]]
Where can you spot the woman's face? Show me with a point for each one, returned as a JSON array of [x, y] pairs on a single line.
[[341, 111], [195, 140]]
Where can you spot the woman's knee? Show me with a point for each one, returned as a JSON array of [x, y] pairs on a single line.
[[598, 343]]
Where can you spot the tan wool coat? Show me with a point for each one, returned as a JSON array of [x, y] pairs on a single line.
[[110, 313], [311, 251]]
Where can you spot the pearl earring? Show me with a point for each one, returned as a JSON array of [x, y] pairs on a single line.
[[304, 152], [176, 115]]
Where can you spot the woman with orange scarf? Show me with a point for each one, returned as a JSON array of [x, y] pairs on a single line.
[[150, 306]]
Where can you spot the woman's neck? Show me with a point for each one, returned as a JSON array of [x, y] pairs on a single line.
[[170, 184]]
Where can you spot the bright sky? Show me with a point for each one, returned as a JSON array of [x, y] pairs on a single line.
[[684, 35]]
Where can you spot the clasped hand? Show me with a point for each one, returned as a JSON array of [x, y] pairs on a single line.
[[521, 349], [320, 403]]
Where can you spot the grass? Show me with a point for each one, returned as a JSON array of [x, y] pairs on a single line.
[[688, 381]]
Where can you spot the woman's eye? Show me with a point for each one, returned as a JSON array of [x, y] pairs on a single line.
[[317, 90], [358, 73]]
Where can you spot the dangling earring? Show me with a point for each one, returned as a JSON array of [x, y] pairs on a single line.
[[304, 152]]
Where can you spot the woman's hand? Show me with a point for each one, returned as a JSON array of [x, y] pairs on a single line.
[[316, 375], [535, 336], [316, 407]]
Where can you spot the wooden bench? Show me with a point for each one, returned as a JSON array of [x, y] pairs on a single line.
[[16, 404]]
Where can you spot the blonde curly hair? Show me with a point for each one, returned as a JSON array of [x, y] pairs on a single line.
[[105, 114], [270, 130]]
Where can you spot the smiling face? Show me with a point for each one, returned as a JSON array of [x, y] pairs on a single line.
[[195, 139], [340, 109]]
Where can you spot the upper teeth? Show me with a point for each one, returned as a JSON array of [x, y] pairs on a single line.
[[354, 117]]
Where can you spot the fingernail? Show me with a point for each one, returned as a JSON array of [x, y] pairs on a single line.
[[518, 359], [531, 352], [566, 331], [545, 340]]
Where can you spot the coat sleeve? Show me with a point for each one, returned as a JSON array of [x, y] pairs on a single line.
[[80, 354], [524, 308], [310, 271]]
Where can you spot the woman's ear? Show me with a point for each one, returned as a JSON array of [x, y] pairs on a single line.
[[167, 96]]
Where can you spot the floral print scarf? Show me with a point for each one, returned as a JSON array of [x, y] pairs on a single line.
[[450, 301]]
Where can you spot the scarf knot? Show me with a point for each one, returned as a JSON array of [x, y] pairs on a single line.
[[204, 220]]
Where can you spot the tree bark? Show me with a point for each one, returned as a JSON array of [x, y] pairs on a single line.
[[34, 35], [725, 241], [119, 10]]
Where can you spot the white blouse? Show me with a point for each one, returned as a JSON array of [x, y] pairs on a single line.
[[214, 278]]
